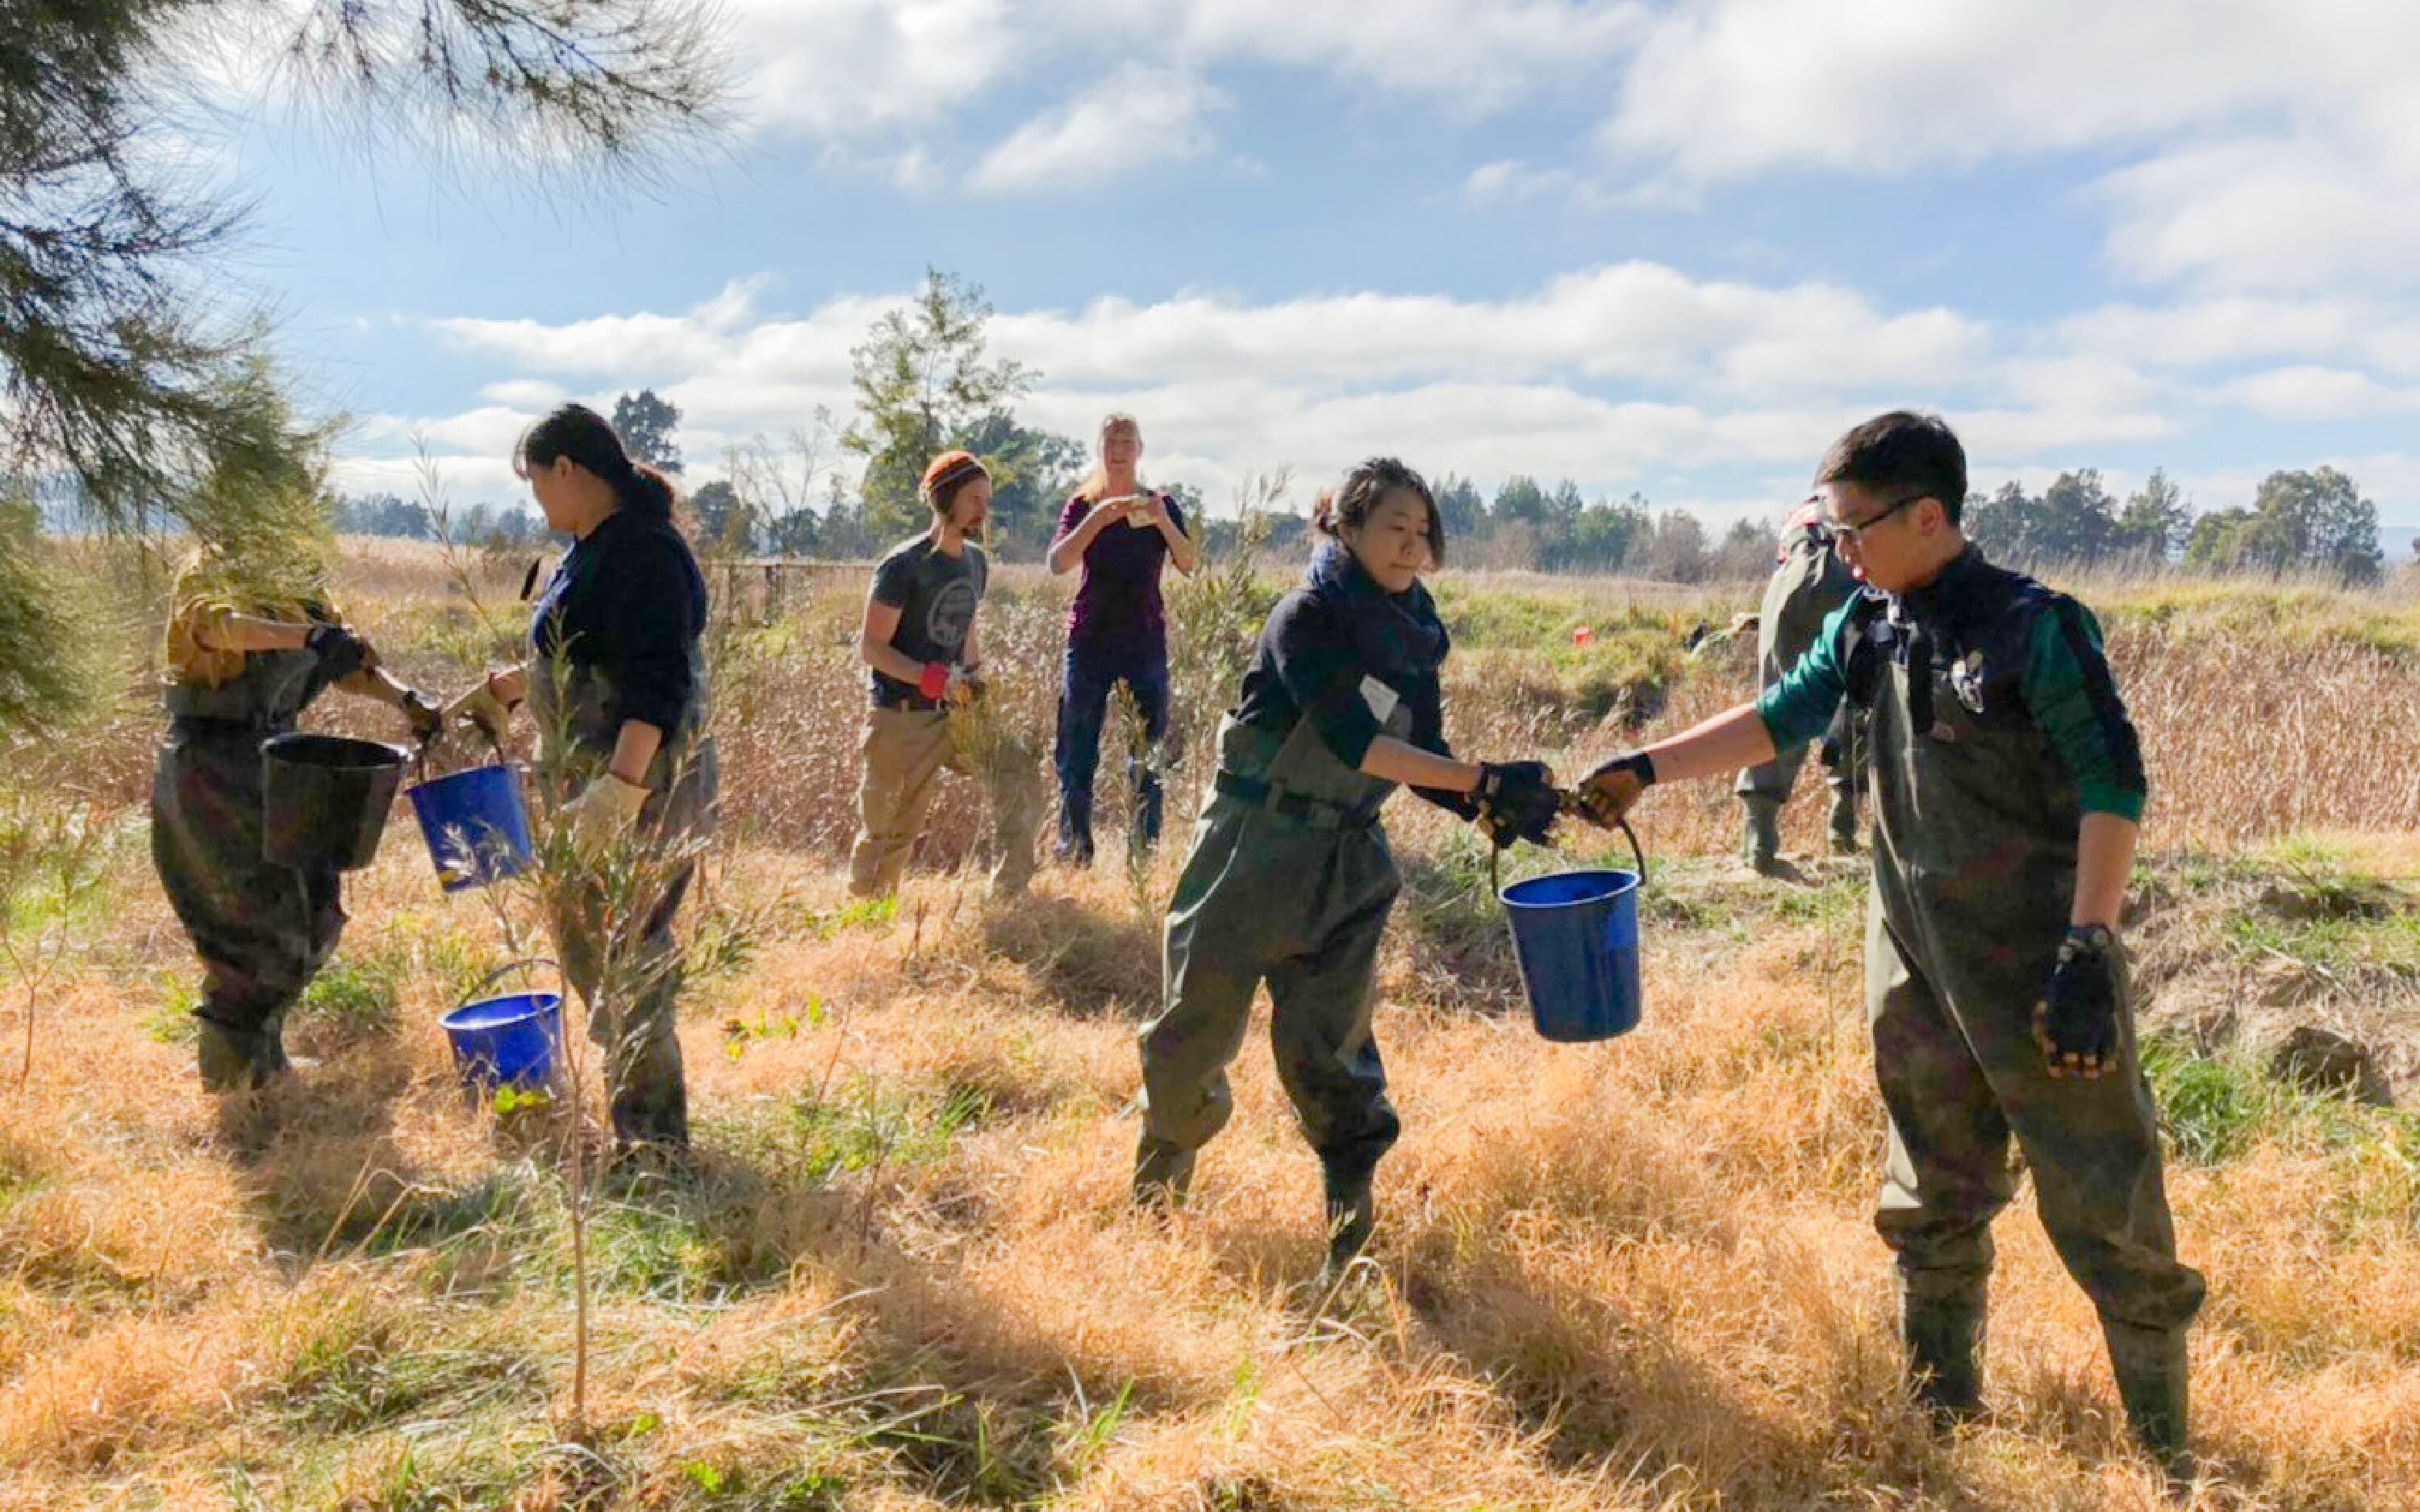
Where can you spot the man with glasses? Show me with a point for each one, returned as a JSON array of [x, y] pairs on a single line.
[[1810, 581], [2007, 787]]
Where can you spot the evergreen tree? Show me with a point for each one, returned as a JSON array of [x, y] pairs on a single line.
[[115, 372], [2156, 519], [922, 387], [646, 424]]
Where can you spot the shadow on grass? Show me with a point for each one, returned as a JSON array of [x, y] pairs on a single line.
[[954, 1389], [1094, 965]]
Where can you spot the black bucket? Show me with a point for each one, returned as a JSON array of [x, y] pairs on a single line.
[[326, 799]]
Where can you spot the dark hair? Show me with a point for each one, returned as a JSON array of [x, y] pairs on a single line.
[[581, 434], [1347, 506], [1901, 452]]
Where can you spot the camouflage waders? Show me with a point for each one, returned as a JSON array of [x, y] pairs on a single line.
[[1801, 595], [1974, 857], [636, 1026], [262, 930], [1290, 880]]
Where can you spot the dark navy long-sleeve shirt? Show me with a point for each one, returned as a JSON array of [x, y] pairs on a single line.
[[1311, 665], [630, 601]]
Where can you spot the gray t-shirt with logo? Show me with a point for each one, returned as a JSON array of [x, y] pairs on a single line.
[[935, 594]]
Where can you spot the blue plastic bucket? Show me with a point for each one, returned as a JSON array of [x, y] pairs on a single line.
[[501, 1041], [1575, 935], [475, 824]]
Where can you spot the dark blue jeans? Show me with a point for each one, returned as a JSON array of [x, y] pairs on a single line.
[[1083, 708]]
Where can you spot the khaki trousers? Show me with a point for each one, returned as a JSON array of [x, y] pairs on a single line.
[[905, 751]]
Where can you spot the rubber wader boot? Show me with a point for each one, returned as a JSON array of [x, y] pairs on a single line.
[[1944, 1356], [1163, 1174], [2150, 1364], [1844, 821], [1760, 838], [233, 1061], [1352, 1215]]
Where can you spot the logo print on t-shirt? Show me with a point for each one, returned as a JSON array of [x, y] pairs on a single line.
[[953, 610]]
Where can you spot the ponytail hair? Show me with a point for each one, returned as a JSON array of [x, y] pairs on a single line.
[[581, 434], [1347, 506]]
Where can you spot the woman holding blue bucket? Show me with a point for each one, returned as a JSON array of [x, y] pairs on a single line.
[[252, 639], [1289, 878], [618, 684]]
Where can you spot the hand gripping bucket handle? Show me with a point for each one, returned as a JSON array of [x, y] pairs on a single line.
[[510, 1040], [1575, 937]]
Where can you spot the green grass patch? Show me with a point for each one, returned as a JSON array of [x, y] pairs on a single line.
[[2219, 1108], [858, 913], [364, 988], [363, 1370], [1837, 900], [2389, 945], [359, 994], [172, 1021], [2289, 616], [508, 1202]]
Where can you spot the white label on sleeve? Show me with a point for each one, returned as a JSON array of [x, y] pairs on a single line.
[[1381, 699]]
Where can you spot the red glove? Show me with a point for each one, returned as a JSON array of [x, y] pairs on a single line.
[[935, 680]]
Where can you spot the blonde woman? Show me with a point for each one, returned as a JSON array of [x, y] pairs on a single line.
[[1123, 535]]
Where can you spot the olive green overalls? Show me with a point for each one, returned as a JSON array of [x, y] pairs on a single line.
[[1975, 856], [1290, 880], [1810, 583], [638, 1033], [263, 931]]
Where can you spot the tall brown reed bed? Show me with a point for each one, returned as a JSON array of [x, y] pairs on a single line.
[[2263, 709]]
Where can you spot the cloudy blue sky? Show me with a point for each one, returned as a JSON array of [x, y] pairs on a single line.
[[1663, 247]]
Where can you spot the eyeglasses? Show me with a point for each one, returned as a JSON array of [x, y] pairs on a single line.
[[1835, 533]]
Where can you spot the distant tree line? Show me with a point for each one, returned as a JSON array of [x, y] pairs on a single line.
[[2315, 522], [924, 382]]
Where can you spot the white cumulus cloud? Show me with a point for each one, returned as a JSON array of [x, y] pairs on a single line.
[[1137, 116]]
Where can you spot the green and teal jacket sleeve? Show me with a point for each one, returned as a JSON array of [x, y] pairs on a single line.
[[2075, 700], [1800, 707]]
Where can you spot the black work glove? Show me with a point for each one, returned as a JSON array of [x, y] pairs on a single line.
[[422, 713], [340, 650], [2076, 1021], [1517, 800]]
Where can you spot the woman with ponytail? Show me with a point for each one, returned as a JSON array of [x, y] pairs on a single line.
[[619, 690], [1291, 879]]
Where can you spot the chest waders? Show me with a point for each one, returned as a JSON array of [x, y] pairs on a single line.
[[262, 930], [1289, 882], [1973, 877], [630, 984], [1799, 597]]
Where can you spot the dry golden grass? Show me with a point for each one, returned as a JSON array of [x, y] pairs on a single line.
[[1632, 1276]]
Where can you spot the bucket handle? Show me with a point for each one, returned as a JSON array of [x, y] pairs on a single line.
[[489, 980], [435, 740], [1638, 852]]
